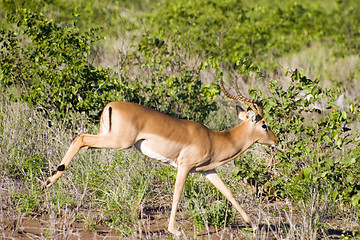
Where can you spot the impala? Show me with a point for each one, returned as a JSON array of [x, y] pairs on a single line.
[[188, 146]]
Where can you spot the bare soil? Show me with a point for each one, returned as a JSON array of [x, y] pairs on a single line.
[[273, 220], [153, 225]]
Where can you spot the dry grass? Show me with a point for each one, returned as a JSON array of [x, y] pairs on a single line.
[[318, 61]]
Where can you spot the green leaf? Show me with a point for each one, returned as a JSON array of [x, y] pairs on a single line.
[[307, 172], [343, 115], [327, 138]]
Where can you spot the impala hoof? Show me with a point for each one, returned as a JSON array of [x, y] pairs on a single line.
[[48, 183], [174, 231], [255, 227]]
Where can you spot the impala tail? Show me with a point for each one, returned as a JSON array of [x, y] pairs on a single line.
[[106, 120]]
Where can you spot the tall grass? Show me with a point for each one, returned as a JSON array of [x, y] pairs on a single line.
[[318, 60], [115, 182]]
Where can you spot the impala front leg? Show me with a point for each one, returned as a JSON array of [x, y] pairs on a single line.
[[179, 186], [215, 179]]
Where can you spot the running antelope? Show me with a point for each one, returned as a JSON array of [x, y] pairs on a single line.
[[188, 146]]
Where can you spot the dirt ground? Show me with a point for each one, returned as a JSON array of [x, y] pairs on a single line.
[[274, 221], [41, 228], [152, 226]]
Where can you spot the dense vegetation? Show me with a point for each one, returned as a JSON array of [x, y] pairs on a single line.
[[62, 61]]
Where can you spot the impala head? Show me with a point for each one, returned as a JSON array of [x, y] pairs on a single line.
[[253, 116]]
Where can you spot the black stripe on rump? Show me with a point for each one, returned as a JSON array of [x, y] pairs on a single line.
[[110, 112]]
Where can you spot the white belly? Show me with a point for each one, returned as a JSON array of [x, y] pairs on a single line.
[[140, 145]]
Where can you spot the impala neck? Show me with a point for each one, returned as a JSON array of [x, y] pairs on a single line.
[[233, 142], [229, 144], [240, 138]]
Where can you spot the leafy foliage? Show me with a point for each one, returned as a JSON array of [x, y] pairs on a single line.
[[48, 63], [318, 149], [232, 31], [162, 80], [346, 34], [106, 14]]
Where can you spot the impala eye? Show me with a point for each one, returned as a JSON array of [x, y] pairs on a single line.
[[264, 126]]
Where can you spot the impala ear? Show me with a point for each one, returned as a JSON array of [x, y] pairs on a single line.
[[251, 116], [241, 113]]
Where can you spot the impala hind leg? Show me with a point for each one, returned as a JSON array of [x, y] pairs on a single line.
[[84, 141], [181, 176], [215, 179]]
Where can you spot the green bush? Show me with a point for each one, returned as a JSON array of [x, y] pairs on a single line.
[[161, 79], [49, 65], [232, 31], [109, 14], [318, 148]]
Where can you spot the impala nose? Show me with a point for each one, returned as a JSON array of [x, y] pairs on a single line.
[[276, 142]]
